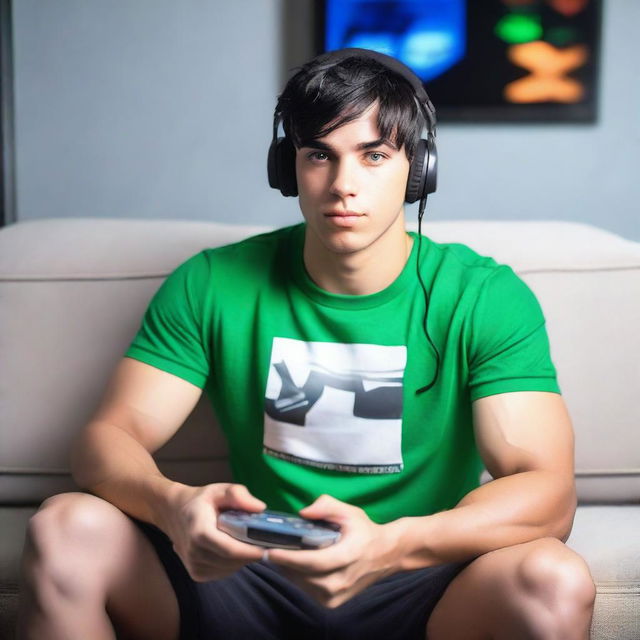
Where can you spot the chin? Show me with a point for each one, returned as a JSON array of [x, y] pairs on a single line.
[[346, 243]]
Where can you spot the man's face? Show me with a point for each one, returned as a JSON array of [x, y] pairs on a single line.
[[351, 186]]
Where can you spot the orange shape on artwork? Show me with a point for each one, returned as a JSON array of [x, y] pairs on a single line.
[[548, 65]]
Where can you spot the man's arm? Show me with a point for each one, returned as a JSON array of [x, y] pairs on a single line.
[[143, 407], [526, 441]]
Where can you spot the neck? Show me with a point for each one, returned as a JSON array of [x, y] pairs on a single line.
[[361, 272]]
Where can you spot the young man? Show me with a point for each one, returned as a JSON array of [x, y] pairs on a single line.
[[315, 344]]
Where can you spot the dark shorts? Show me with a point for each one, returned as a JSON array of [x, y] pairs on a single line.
[[258, 602]]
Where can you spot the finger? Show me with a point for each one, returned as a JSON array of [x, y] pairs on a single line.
[[326, 507], [210, 543], [320, 588], [318, 561], [237, 496], [221, 544]]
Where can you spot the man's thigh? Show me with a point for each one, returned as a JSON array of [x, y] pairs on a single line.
[[523, 591]]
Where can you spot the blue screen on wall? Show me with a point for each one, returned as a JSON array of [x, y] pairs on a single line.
[[495, 60], [427, 35]]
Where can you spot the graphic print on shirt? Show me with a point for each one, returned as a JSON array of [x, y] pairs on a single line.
[[335, 406]]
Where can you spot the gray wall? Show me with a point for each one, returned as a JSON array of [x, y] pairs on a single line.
[[162, 109]]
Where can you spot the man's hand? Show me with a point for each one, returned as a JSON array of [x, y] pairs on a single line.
[[191, 522], [365, 553]]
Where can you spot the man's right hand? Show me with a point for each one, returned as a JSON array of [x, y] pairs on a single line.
[[190, 521]]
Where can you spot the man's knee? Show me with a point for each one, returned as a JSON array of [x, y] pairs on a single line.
[[68, 520], [557, 577], [61, 536]]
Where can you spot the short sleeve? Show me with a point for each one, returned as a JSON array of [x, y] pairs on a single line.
[[509, 347], [172, 336]]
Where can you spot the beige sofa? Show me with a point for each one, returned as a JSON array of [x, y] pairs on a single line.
[[72, 292]]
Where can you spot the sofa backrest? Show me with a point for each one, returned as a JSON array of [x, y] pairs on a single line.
[[73, 291]]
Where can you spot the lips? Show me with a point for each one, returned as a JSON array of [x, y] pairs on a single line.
[[344, 218], [343, 214]]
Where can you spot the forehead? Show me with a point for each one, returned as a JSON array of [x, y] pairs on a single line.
[[362, 129]]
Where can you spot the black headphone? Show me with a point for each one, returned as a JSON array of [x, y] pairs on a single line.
[[422, 173]]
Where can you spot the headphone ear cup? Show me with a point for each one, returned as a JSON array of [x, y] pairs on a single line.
[[281, 167], [417, 169], [431, 179], [272, 169], [422, 173]]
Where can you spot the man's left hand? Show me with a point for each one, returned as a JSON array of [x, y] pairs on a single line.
[[365, 553]]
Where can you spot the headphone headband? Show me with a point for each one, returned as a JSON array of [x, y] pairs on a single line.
[[394, 65]]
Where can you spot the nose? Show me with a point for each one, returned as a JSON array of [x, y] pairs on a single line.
[[344, 179]]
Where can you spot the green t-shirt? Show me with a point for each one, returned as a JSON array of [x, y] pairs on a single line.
[[316, 392]]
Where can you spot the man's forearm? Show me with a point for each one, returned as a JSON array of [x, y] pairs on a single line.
[[507, 511], [111, 463]]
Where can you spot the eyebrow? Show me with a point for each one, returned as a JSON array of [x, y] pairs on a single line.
[[363, 146]]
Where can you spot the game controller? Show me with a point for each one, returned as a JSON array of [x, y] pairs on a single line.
[[279, 530]]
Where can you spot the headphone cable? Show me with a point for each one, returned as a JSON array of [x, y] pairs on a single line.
[[423, 203]]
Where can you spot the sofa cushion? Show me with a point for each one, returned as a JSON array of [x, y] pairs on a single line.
[[606, 537], [588, 283], [76, 249], [73, 292], [13, 524]]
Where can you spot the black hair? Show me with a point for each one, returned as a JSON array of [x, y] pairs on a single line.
[[323, 96]]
